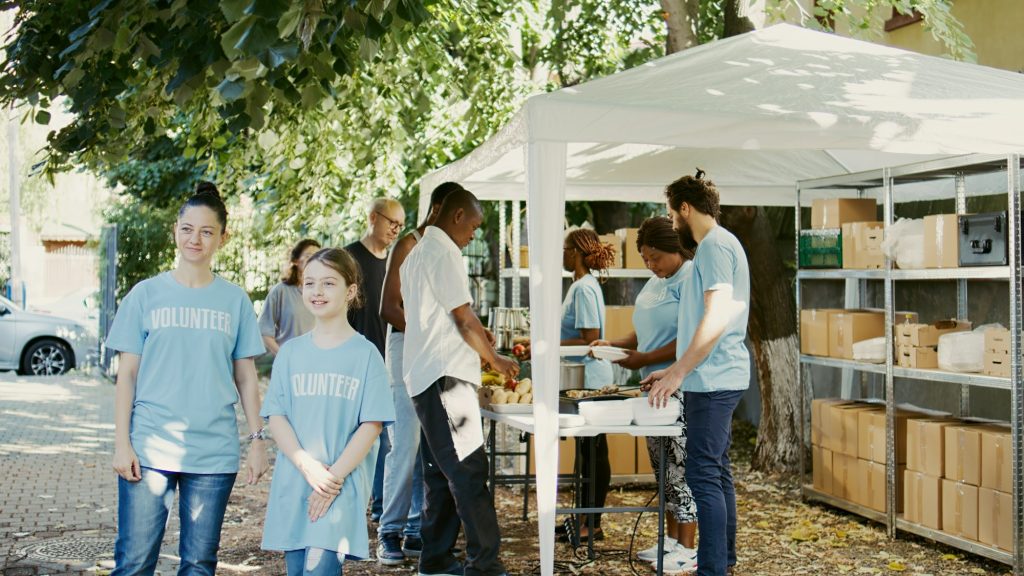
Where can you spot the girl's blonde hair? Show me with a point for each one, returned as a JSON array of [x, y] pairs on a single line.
[[342, 262]]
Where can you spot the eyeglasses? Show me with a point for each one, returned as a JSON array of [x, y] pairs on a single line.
[[393, 224]]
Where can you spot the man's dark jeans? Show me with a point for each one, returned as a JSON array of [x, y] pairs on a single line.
[[454, 491], [709, 474]]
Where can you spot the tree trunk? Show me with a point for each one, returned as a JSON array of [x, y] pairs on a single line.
[[772, 333], [681, 18], [735, 21]]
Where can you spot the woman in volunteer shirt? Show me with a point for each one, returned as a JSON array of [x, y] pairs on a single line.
[[186, 339], [653, 347], [583, 322]]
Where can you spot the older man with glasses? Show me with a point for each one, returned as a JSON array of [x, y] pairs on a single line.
[[386, 220]]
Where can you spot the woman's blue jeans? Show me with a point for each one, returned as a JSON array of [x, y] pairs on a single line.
[[312, 562], [709, 474], [142, 509]]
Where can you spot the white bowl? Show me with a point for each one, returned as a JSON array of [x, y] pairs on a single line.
[[581, 350], [646, 415], [609, 353], [606, 412]]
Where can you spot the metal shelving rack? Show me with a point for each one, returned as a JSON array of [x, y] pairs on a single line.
[[858, 184], [515, 271]]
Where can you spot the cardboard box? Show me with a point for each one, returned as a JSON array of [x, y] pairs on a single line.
[[835, 212], [849, 326], [618, 322], [941, 241], [566, 456], [997, 364], [819, 414], [917, 357], [630, 254], [622, 453], [616, 244], [963, 454], [845, 476], [995, 519], [814, 331], [997, 340], [914, 334], [862, 245], [821, 469], [960, 509], [841, 427], [997, 458], [643, 457], [926, 440], [922, 499], [871, 492], [871, 435]]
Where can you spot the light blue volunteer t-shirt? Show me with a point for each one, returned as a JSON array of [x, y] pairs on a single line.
[[183, 415], [656, 315], [325, 394], [720, 261], [583, 307]]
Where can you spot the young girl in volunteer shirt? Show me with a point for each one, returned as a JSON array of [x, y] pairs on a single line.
[[186, 339], [328, 400]]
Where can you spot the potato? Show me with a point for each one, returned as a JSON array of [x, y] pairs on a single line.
[[526, 398], [511, 398], [524, 387], [499, 396]]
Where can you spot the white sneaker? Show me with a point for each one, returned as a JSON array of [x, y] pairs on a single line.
[[683, 561], [651, 554]]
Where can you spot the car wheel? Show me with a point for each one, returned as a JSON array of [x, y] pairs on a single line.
[[46, 358]]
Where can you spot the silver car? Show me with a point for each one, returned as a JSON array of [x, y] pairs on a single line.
[[39, 344]]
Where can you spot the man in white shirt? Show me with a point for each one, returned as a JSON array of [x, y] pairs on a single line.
[[444, 342]]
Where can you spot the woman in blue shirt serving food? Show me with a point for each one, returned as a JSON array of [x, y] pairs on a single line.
[[583, 322], [653, 347]]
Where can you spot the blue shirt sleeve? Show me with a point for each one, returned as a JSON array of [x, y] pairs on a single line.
[[377, 403], [277, 401], [716, 266], [128, 331], [249, 341], [587, 310]]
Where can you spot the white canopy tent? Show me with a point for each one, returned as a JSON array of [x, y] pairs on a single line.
[[757, 112]]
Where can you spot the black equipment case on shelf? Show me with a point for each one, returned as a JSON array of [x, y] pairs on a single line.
[[983, 239]]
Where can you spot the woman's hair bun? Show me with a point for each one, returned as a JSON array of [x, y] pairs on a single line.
[[206, 187]]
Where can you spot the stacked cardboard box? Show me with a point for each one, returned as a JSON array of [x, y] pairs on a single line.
[[995, 504], [917, 344], [618, 322], [849, 326], [925, 444], [962, 475], [631, 258], [871, 450], [814, 330], [997, 352], [835, 212], [941, 241], [836, 442], [862, 245]]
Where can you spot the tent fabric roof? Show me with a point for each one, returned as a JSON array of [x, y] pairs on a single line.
[[757, 112]]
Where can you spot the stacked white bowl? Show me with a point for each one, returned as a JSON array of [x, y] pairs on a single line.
[[646, 415]]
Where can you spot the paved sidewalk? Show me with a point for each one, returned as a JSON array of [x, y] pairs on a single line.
[[58, 493]]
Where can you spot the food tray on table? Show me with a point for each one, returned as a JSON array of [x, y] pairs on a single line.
[[567, 404], [511, 408]]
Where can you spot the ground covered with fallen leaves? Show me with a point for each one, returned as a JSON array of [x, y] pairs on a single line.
[[779, 534]]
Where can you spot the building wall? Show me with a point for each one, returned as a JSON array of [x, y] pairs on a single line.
[[993, 25]]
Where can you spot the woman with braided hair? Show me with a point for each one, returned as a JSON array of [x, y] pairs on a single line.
[[583, 322]]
